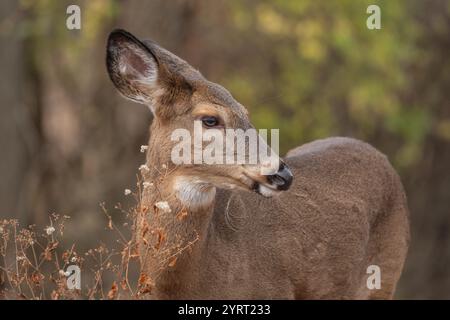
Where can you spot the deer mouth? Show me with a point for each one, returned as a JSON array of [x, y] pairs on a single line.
[[270, 185], [261, 188], [264, 190]]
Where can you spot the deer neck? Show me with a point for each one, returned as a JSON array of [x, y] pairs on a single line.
[[175, 226]]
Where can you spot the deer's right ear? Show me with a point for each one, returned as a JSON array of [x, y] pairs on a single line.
[[132, 67]]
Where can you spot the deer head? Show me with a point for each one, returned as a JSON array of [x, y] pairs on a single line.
[[178, 95]]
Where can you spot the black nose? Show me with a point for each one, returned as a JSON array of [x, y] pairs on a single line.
[[282, 179]]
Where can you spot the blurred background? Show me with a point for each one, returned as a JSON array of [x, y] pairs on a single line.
[[311, 68]]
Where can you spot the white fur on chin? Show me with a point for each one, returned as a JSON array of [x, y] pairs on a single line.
[[267, 192], [194, 194]]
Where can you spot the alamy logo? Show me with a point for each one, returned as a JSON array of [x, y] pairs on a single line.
[[374, 280], [228, 146], [74, 20], [374, 20], [73, 275]]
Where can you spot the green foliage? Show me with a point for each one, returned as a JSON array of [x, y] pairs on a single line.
[[46, 29], [329, 74]]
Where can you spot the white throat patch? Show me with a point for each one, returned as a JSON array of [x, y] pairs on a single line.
[[193, 193]]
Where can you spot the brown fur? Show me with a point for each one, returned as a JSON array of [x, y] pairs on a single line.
[[345, 210]]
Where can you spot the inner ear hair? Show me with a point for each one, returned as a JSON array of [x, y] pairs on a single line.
[[132, 67]]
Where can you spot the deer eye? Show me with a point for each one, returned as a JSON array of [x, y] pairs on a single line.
[[210, 121]]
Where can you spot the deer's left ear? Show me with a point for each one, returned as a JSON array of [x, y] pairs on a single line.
[[132, 67]]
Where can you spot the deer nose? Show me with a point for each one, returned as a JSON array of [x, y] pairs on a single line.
[[282, 179]]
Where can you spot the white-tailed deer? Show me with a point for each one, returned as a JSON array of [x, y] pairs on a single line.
[[227, 232]]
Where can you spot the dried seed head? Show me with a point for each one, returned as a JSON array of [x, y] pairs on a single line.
[[144, 168], [49, 230], [146, 184], [163, 206]]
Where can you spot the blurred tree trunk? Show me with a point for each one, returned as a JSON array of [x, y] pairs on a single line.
[[13, 114], [428, 183]]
